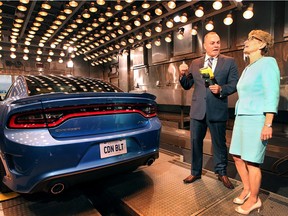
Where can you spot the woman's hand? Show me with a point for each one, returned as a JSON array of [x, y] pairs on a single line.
[[266, 133]]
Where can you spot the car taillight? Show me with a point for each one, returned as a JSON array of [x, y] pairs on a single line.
[[53, 117]]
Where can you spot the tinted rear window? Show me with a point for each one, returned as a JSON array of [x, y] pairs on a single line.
[[44, 84]]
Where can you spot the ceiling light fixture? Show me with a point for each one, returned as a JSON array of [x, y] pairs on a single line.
[[13, 49], [118, 6], [100, 2], [209, 26], [39, 51], [116, 22], [158, 28], [248, 14], [109, 27], [120, 31], [184, 18], [21, 7], [194, 30], [228, 19], [78, 20], [148, 45], [170, 23], [24, 1], [158, 11], [51, 53], [94, 24], [124, 16], [217, 4], [17, 25], [26, 50], [86, 14], [180, 34], [128, 27], [39, 19], [108, 12], [73, 3], [13, 55], [177, 19], [139, 36], [61, 16], [172, 4], [102, 18], [145, 4], [103, 31], [93, 8], [113, 34], [168, 38], [148, 33], [25, 57], [134, 12], [67, 9], [46, 6], [146, 16], [123, 43], [70, 63], [19, 20], [199, 12], [157, 42], [137, 22], [42, 12], [131, 40]]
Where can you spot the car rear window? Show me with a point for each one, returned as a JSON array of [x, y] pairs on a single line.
[[50, 84]]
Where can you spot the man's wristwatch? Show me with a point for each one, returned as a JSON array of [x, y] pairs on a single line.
[[268, 125]]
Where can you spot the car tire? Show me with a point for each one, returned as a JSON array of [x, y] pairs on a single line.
[[3, 187]]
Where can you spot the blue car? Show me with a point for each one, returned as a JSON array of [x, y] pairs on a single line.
[[56, 131]]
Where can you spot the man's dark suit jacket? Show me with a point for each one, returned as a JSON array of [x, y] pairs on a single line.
[[203, 100]]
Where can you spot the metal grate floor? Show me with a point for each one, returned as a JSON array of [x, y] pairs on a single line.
[[148, 191]]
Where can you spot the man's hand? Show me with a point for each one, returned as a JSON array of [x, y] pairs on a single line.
[[215, 89], [183, 72], [183, 68]]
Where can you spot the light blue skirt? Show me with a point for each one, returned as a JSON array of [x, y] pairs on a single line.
[[246, 141]]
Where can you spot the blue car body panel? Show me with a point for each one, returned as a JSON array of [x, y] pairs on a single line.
[[32, 156]]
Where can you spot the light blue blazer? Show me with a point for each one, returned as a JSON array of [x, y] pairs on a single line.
[[258, 88]]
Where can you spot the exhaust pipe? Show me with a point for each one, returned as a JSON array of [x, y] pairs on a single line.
[[57, 188], [150, 161]]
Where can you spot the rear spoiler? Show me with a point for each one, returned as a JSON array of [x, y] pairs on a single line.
[[60, 95]]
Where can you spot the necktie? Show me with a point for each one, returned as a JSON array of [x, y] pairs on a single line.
[[210, 60]]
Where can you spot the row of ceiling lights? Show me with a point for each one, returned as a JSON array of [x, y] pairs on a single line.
[[228, 20], [171, 4]]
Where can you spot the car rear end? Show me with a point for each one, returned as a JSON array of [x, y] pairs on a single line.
[[54, 140]]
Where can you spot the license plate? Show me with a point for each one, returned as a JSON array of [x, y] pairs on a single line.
[[113, 148]]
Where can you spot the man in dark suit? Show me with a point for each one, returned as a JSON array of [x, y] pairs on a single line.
[[210, 106]]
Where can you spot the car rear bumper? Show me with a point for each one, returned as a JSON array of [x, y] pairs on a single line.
[[70, 179]]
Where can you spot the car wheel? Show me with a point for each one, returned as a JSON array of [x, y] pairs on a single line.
[[3, 187]]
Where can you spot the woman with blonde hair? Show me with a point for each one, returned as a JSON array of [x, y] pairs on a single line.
[[258, 91]]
